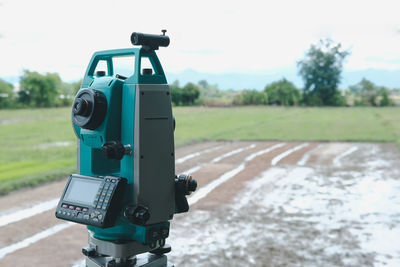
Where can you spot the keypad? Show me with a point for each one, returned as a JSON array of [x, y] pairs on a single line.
[[95, 213]]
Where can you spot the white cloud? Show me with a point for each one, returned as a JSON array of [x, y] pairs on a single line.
[[212, 36]]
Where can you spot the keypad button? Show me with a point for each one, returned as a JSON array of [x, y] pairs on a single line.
[[104, 207], [107, 179], [59, 212], [65, 206], [86, 217], [100, 216], [64, 213], [113, 180], [85, 210], [106, 201], [95, 219], [78, 208], [68, 213], [98, 207], [71, 207]]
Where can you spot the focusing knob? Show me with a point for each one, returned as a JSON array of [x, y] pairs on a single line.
[[115, 150], [137, 214], [89, 109]]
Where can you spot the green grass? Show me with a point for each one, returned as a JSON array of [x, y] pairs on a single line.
[[275, 123], [26, 158]]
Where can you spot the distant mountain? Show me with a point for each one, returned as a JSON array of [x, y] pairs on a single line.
[[258, 81]]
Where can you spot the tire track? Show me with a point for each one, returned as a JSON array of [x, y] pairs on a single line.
[[281, 156], [256, 165], [303, 161], [204, 191], [338, 158]]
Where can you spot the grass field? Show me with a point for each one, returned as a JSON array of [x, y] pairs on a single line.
[[39, 145]]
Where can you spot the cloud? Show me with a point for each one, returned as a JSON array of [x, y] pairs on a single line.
[[202, 51]]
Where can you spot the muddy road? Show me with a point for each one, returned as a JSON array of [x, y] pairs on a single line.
[[257, 204]]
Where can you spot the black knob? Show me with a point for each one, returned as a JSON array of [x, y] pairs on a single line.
[[113, 150], [192, 185], [186, 184], [137, 214]]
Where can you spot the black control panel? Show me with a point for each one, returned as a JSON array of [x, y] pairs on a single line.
[[91, 200]]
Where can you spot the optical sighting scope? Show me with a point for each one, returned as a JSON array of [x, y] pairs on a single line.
[[150, 41]]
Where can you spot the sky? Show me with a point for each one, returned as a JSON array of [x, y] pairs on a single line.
[[207, 36]]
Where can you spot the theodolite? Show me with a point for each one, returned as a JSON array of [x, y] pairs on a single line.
[[125, 189]]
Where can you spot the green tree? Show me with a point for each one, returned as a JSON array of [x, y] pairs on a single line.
[[176, 94], [282, 93], [6, 94], [385, 98], [321, 70], [251, 97], [39, 90], [369, 94], [190, 92]]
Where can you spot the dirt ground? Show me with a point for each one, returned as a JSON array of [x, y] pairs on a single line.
[[258, 204]]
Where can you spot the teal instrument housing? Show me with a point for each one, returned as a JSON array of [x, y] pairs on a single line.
[[121, 94]]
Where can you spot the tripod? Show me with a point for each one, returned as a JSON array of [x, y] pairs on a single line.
[[101, 253]]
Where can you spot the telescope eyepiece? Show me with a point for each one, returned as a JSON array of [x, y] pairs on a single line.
[[150, 41]]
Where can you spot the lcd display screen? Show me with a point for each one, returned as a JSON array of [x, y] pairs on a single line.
[[82, 191]]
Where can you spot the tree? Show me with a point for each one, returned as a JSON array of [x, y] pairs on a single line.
[[251, 97], [67, 92], [321, 70], [176, 93], [282, 93], [6, 94], [184, 96], [190, 92], [39, 90], [369, 94]]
